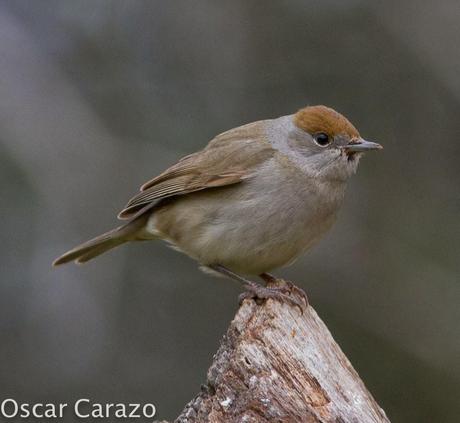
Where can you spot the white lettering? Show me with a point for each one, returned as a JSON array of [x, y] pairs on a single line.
[[35, 410], [120, 411], [61, 409], [77, 408], [14, 404], [97, 411], [152, 409], [83, 408], [50, 410], [134, 408], [107, 409], [25, 410]]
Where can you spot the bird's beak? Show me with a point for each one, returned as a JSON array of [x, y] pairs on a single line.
[[359, 146]]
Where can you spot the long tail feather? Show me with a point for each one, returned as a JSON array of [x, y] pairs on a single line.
[[102, 243]]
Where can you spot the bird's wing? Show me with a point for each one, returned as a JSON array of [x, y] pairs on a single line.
[[228, 159]]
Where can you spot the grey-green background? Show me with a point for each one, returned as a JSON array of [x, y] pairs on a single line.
[[98, 96]]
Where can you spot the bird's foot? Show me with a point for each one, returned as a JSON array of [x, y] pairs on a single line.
[[277, 289], [278, 293], [285, 286]]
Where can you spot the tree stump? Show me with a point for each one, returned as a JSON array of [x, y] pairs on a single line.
[[277, 364]]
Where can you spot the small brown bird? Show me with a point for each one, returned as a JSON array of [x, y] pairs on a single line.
[[254, 199]]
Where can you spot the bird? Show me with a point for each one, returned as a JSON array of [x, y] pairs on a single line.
[[255, 199]]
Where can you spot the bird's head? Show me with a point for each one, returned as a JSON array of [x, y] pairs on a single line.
[[329, 142]]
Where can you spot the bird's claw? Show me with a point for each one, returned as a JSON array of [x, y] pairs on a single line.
[[285, 286], [289, 288]]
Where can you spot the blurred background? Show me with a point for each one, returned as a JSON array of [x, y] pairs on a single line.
[[96, 97]]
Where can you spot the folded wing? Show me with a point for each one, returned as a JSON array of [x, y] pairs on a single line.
[[230, 158]]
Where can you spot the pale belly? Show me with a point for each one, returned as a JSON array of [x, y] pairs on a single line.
[[247, 230]]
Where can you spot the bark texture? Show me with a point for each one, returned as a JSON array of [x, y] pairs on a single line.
[[276, 364]]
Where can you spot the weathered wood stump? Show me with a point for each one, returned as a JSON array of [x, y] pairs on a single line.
[[277, 364]]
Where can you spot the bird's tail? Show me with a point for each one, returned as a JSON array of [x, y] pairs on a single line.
[[102, 243]]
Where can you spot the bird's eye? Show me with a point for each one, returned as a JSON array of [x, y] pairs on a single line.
[[322, 139]]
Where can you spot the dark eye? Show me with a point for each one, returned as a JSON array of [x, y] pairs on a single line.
[[322, 139]]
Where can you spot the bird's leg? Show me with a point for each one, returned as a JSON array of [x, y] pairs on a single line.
[[283, 285], [232, 275], [256, 291]]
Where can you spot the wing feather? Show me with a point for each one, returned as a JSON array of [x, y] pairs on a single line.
[[228, 159]]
